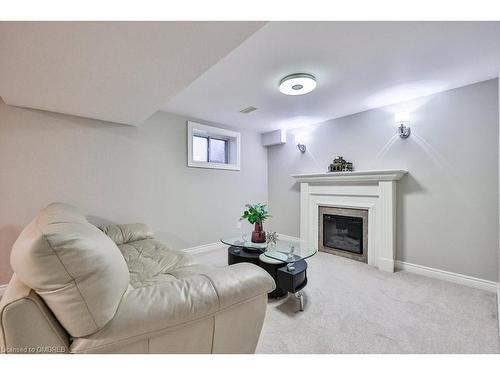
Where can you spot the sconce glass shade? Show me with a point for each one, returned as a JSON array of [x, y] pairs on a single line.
[[300, 143], [301, 147], [402, 120]]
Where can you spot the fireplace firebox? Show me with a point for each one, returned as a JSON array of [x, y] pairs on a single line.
[[344, 232]]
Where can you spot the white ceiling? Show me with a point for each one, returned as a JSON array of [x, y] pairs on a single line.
[[358, 66], [125, 71], [115, 71]]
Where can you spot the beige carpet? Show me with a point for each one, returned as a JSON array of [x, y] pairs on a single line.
[[354, 308]]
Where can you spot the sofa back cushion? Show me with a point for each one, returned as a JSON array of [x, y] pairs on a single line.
[[74, 267]]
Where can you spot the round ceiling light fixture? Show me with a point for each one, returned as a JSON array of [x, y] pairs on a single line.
[[298, 84]]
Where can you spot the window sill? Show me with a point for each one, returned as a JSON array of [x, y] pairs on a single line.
[[201, 164]]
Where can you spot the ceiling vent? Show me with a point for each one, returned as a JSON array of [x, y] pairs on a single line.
[[248, 109]]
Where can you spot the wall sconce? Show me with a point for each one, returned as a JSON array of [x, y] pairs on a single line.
[[300, 144], [402, 120]]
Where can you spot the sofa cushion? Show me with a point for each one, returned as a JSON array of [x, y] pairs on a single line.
[[150, 262], [124, 233], [77, 270]]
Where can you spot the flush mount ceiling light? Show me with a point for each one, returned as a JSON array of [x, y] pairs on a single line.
[[297, 84]]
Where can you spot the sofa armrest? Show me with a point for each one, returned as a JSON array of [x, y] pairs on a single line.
[[26, 323], [239, 282], [144, 312]]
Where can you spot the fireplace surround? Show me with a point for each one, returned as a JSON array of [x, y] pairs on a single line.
[[373, 191]]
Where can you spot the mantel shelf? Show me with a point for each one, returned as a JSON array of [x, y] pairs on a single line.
[[355, 176]]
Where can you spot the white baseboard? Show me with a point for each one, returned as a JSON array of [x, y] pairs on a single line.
[[220, 245], [457, 278], [205, 248], [435, 273], [3, 288], [287, 238], [193, 250], [386, 265]]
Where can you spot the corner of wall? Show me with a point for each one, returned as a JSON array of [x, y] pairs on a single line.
[[498, 309], [498, 150]]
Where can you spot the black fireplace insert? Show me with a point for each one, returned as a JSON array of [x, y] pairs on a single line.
[[343, 233]]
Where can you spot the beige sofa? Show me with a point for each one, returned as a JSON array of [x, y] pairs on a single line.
[[80, 289]]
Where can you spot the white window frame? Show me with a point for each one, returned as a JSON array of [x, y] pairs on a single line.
[[234, 146]]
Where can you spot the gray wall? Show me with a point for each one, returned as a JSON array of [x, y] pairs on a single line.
[[121, 174], [447, 206]]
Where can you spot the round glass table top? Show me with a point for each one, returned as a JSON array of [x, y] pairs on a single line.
[[287, 251]]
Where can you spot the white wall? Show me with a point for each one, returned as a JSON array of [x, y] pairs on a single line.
[[447, 205], [121, 174]]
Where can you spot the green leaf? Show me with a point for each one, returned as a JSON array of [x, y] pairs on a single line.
[[255, 213]]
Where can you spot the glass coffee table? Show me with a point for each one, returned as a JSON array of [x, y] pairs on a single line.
[[283, 260]]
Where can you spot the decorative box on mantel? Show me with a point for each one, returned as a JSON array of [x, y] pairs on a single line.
[[373, 192]]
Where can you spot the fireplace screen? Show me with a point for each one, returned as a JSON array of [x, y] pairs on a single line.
[[343, 233]]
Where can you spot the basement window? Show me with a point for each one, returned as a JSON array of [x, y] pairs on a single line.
[[213, 147]]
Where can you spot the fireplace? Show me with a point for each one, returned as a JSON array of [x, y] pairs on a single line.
[[371, 193], [344, 232]]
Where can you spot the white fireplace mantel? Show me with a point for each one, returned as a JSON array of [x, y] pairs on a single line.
[[355, 176], [373, 190]]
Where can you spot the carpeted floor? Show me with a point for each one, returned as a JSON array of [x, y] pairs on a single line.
[[354, 308]]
